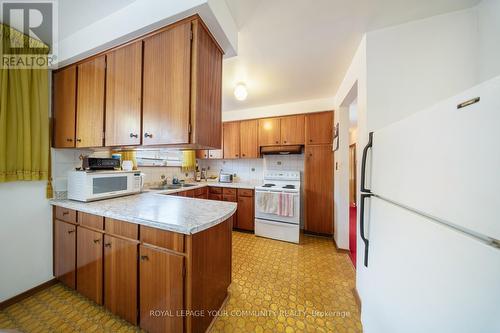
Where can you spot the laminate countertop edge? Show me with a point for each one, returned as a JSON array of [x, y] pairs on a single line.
[[177, 214]]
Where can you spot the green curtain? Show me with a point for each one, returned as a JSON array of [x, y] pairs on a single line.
[[24, 116]]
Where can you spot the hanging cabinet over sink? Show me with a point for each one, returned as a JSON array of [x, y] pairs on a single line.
[[163, 89]]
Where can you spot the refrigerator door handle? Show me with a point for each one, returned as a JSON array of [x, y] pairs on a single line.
[[362, 224], [363, 163]]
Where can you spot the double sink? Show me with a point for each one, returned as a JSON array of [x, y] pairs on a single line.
[[171, 187]]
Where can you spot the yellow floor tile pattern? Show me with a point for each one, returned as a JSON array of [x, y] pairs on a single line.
[[277, 287]]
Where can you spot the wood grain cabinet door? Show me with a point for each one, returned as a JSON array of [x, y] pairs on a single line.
[[90, 103], [167, 79], [120, 277], [65, 253], [123, 95], [292, 130], [319, 128], [245, 213], [249, 139], [231, 135], [89, 264], [318, 183], [269, 132], [64, 107], [161, 288]]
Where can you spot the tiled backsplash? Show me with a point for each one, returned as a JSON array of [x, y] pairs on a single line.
[[252, 170]]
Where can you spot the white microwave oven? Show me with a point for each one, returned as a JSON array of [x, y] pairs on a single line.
[[97, 185]]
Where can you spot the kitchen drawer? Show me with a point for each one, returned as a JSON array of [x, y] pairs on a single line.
[[65, 214], [200, 191], [162, 238], [91, 221], [216, 190], [229, 191], [121, 228], [231, 198], [245, 192], [212, 196]]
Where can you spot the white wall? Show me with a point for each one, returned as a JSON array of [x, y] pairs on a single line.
[[313, 105], [25, 237]]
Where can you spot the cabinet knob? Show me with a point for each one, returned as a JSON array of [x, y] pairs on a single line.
[[107, 245], [148, 135], [236, 155], [69, 140], [132, 135], [243, 155], [144, 258], [284, 141], [277, 142], [97, 241], [78, 140], [310, 140], [71, 231]]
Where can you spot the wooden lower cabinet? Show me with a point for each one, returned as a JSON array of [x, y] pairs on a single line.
[[89, 263], [161, 287], [245, 212], [65, 253], [318, 189], [120, 277]]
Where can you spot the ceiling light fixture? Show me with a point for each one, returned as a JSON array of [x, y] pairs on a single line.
[[240, 92]]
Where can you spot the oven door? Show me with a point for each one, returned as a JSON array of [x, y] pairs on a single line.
[[295, 219]]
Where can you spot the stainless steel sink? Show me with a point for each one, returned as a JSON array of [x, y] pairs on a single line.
[[171, 187]]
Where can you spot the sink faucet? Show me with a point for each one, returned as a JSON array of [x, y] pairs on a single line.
[[164, 180]]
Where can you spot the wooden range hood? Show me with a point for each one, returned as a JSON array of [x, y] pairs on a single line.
[[281, 150]]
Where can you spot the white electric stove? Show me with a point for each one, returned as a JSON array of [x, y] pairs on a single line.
[[285, 227]]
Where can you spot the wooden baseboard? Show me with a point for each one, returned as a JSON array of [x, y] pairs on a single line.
[[27, 294], [357, 298]]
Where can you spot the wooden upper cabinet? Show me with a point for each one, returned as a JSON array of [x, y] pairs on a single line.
[[90, 103], [120, 277], [318, 189], [89, 264], [64, 107], [319, 128], [231, 139], [206, 89], [123, 95], [161, 287], [292, 130], [249, 142], [65, 253], [269, 132], [167, 80]]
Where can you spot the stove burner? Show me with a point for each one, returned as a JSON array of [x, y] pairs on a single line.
[[268, 185], [291, 187]]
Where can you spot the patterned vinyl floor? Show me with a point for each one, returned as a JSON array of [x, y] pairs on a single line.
[[277, 287]]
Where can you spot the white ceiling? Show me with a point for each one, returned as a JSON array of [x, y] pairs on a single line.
[[76, 14], [294, 50]]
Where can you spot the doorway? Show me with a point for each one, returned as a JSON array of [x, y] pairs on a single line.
[[353, 131]]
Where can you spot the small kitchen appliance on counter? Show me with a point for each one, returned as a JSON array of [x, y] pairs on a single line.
[[225, 178], [96, 163], [105, 184]]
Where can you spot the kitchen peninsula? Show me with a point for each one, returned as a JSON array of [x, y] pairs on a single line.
[[160, 261]]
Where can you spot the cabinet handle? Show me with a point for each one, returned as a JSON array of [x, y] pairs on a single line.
[[144, 258], [132, 135], [65, 213], [71, 231], [78, 140], [107, 245], [148, 135], [97, 241], [69, 140]]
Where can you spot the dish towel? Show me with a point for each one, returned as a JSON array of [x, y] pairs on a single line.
[[285, 204], [268, 202]]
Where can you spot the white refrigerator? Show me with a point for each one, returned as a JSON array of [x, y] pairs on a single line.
[[430, 219]]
